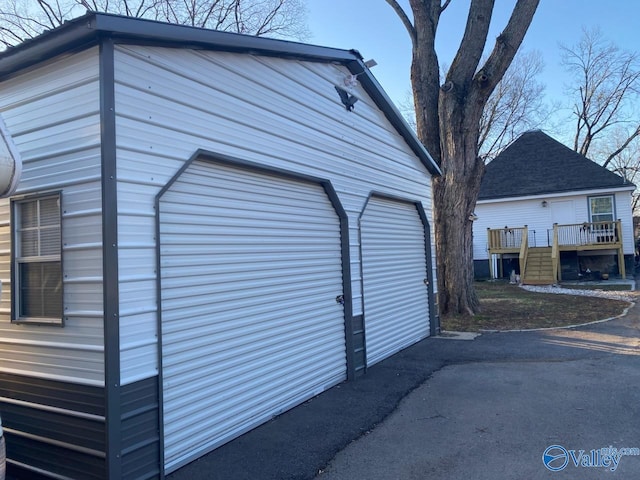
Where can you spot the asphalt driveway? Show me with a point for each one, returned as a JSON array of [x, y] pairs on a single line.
[[449, 409]]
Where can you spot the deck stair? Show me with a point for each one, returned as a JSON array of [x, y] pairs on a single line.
[[539, 267]]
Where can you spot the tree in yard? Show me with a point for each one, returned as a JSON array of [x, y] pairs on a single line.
[[515, 106], [606, 88], [623, 161], [448, 118], [606, 91], [21, 20]]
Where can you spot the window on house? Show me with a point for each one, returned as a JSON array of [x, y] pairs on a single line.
[[37, 268], [601, 209]]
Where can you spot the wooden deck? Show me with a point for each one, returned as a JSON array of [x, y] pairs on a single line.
[[586, 236]]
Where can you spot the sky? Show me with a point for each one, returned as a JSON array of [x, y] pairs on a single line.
[[373, 28]]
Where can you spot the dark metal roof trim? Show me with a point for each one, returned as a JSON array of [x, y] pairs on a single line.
[[88, 29], [380, 97], [91, 28]]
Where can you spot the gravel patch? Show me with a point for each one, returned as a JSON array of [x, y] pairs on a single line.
[[628, 296]]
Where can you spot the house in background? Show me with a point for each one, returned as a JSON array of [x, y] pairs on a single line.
[[210, 229], [550, 214]]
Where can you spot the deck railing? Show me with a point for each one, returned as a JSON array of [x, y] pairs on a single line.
[[506, 239], [594, 234], [587, 234], [579, 236], [555, 254]]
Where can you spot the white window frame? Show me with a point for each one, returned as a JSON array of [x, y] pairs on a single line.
[[613, 208], [18, 315]]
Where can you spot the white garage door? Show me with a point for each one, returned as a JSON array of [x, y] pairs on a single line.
[[251, 268], [394, 270]]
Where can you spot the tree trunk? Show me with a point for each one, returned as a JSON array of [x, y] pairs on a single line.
[[448, 124], [455, 194]]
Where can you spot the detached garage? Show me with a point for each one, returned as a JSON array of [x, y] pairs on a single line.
[[205, 235]]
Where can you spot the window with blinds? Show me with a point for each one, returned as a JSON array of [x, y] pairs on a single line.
[[37, 269], [601, 209]]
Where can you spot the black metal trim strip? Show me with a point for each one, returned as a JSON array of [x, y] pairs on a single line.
[[85, 31], [382, 100], [110, 261], [434, 316]]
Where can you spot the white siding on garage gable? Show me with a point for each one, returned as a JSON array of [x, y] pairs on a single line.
[[271, 111], [53, 115]]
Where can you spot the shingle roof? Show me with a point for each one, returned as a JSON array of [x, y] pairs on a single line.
[[536, 164]]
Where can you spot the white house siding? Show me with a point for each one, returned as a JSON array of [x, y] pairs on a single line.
[[53, 115], [539, 219], [283, 113], [625, 213]]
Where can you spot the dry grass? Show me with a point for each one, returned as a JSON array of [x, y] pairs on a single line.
[[508, 307]]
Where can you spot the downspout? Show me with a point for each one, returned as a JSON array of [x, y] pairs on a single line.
[[10, 162]]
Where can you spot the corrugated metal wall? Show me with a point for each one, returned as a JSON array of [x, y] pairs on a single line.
[[272, 111], [394, 269], [251, 268], [53, 115]]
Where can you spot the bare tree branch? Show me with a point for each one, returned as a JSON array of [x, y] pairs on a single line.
[[405, 19], [606, 85], [445, 5], [20, 20], [506, 46], [622, 147], [465, 63], [516, 105]]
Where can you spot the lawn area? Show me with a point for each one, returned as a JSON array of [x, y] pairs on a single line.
[[508, 307]]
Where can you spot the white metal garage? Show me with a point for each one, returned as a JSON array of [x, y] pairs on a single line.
[[394, 272], [250, 268], [211, 186]]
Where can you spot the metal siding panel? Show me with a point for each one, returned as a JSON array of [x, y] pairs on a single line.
[[251, 267], [394, 268], [57, 427], [140, 430], [60, 151], [267, 99], [271, 111], [52, 461]]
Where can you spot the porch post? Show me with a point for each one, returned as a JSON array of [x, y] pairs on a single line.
[[621, 265], [489, 243]]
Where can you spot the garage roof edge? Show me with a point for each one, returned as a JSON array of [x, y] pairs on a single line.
[[91, 28]]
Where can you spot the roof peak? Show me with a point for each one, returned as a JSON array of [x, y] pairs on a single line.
[[537, 164]]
